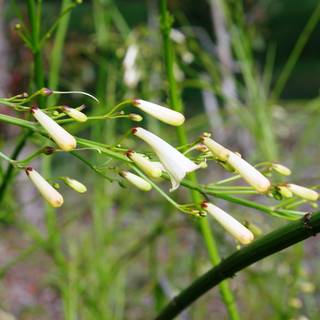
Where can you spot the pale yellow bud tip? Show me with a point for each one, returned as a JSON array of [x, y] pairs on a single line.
[[75, 185], [281, 169]]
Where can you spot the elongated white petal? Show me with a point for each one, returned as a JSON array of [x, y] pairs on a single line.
[[53, 197], [303, 192], [75, 114], [145, 164], [230, 224], [75, 185], [175, 163], [217, 149], [283, 170], [249, 173], [163, 114], [61, 137], [137, 181]]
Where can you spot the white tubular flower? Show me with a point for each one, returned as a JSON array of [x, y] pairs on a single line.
[[249, 173], [303, 192], [136, 181], [163, 114], [217, 149], [75, 114], [145, 164], [75, 185], [48, 192], [230, 224], [61, 137], [281, 169], [174, 162]]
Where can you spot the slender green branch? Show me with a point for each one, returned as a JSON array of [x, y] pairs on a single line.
[[273, 242]]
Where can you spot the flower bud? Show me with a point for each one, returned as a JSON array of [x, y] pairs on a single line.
[[53, 197], [281, 169], [303, 192], [46, 92], [135, 117], [136, 181], [145, 164], [217, 149], [284, 191], [75, 185], [249, 173], [230, 224], [75, 114], [163, 114], [61, 137]]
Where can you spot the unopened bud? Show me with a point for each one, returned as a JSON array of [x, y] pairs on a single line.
[[75, 185], [249, 173], [217, 149], [145, 164], [135, 117], [303, 192], [281, 169], [230, 224], [48, 150], [61, 137], [136, 181], [201, 147], [48, 192], [75, 114], [46, 92], [284, 191]]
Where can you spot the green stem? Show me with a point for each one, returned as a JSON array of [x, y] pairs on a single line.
[[176, 103], [273, 242]]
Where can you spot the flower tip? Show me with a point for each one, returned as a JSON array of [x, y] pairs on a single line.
[[28, 170], [33, 109], [46, 92], [134, 130], [204, 204]]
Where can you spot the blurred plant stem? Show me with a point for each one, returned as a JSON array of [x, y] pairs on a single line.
[[267, 245], [176, 104]]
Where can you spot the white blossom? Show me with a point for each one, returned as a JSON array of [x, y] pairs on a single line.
[[163, 114], [249, 173], [48, 192], [61, 137], [174, 162], [303, 192], [230, 224], [217, 149]]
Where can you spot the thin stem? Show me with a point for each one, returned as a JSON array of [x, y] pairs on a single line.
[[176, 103], [271, 243]]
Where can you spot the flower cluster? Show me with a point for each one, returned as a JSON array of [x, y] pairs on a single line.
[[172, 164]]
